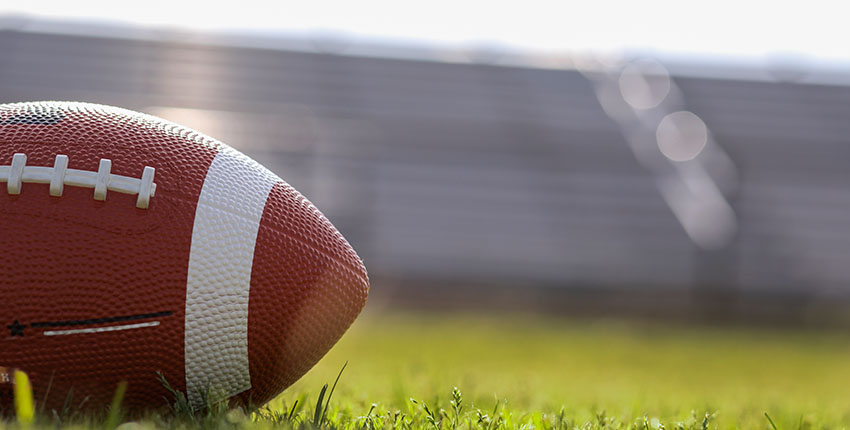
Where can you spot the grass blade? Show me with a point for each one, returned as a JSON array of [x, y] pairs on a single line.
[[317, 414], [772, 424], [114, 417], [328, 403], [24, 405]]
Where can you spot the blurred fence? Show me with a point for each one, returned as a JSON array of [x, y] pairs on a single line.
[[476, 174]]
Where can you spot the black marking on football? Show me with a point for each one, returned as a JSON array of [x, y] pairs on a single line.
[[16, 329], [107, 320], [40, 116]]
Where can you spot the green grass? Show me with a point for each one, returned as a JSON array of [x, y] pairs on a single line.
[[527, 372]]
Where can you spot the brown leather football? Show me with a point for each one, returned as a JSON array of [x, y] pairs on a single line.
[[132, 246]]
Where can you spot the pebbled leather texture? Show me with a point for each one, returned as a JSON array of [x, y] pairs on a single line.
[[93, 293]]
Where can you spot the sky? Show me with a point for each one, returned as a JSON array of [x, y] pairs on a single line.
[[814, 30]]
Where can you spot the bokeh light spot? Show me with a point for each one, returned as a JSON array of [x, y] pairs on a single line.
[[644, 84], [681, 136]]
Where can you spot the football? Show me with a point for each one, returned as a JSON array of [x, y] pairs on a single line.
[[135, 250]]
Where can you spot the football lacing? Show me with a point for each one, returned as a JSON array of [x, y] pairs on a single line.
[[60, 175]]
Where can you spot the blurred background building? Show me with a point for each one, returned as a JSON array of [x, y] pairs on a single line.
[[481, 177]]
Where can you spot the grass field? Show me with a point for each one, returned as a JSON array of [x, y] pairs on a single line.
[[526, 372]]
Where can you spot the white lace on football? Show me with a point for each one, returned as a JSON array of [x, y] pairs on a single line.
[[60, 175]]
